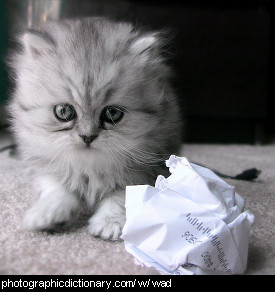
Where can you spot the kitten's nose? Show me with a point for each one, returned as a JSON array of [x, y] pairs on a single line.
[[88, 139]]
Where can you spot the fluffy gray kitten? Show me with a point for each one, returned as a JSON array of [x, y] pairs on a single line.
[[92, 112]]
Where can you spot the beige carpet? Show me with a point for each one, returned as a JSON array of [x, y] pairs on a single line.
[[75, 252]]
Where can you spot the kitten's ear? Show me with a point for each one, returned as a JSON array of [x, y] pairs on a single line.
[[145, 44], [37, 43]]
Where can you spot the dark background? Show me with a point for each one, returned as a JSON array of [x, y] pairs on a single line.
[[220, 52]]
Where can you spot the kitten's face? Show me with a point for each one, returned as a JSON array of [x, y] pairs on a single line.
[[90, 90]]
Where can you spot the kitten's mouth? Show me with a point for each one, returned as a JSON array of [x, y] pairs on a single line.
[[88, 147], [85, 147]]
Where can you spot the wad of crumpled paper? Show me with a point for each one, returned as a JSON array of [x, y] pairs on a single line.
[[190, 223]]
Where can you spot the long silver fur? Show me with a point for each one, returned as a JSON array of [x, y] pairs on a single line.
[[91, 63]]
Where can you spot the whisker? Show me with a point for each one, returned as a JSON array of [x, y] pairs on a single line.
[[147, 159], [127, 158], [115, 164], [117, 159], [158, 156], [163, 156]]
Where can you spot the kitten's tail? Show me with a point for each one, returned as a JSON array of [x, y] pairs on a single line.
[[248, 174]]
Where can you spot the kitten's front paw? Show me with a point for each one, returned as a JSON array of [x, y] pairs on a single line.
[[48, 215], [108, 228]]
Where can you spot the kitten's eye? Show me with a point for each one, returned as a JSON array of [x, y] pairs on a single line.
[[64, 112], [111, 114]]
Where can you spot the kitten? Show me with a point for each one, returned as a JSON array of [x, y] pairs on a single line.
[[92, 112]]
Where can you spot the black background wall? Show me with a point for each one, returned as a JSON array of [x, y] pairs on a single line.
[[221, 55]]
